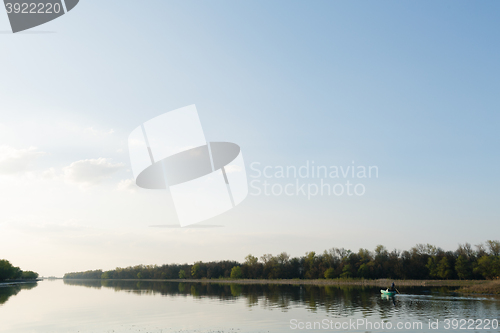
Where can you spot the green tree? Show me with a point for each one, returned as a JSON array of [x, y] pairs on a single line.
[[444, 269], [346, 271], [381, 261], [7, 271], [236, 272], [330, 273], [10, 272], [432, 267], [195, 271], [488, 266], [29, 275], [364, 271], [463, 267], [250, 260], [310, 265], [251, 268], [139, 275], [182, 274]]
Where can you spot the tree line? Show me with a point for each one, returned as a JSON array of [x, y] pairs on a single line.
[[423, 261], [10, 272]]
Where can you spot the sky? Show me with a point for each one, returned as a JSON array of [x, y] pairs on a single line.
[[408, 87]]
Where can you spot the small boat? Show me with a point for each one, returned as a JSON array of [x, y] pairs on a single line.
[[387, 292]]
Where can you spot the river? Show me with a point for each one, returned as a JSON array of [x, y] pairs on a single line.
[[157, 307]]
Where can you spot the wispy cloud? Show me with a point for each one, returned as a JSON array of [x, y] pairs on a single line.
[[13, 161], [98, 132], [90, 171], [127, 185]]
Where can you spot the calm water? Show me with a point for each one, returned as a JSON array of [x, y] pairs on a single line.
[[127, 306]]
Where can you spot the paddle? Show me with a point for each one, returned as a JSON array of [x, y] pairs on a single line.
[[397, 291]]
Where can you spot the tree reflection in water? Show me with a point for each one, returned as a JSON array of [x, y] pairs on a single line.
[[6, 291], [339, 301]]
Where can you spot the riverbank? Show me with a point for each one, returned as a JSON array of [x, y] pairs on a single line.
[[488, 287], [348, 282], [321, 282], [20, 281]]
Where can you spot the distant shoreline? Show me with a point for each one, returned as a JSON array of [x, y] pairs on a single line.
[[320, 282]]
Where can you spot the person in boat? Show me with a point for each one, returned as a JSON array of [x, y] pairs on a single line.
[[392, 288]]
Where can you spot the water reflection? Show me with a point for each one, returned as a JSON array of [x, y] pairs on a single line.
[[336, 301], [269, 295], [7, 291], [391, 298]]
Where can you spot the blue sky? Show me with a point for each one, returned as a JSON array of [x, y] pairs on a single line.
[[408, 86]]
